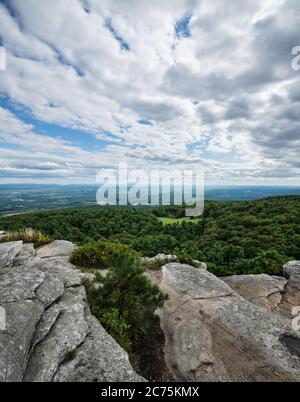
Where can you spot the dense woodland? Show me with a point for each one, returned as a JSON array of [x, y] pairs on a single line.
[[231, 237]]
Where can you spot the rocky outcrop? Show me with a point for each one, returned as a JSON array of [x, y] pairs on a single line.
[[263, 290], [49, 333], [8, 253], [161, 259], [278, 294], [214, 334], [58, 248], [291, 297], [214, 329], [292, 269]]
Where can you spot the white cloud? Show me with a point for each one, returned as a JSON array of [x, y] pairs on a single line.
[[101, 66]]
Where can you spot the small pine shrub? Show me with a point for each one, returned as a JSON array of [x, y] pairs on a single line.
[[184, 257], [125, 301], [116, 325], [155, 264], [28, 235], [96, 255]]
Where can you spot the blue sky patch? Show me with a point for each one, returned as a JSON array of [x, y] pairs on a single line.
[[182, 27], [145, 122], [123, 44]]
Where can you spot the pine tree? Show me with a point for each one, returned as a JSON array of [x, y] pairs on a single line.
[[127, 289]]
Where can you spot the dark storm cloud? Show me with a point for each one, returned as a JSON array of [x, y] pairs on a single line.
[[237, 109]]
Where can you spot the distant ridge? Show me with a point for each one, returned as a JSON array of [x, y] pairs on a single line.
[[21, 198]]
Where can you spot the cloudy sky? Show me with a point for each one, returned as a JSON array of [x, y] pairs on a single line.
[[159, 83]]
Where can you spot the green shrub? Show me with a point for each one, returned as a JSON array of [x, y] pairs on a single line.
[[125, 300], [156, 263], [184, 257], [116, 325], [268, 262], [219, 270], [96, 255], [27, 235]]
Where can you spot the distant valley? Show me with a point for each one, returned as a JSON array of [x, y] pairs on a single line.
[[19, 198]]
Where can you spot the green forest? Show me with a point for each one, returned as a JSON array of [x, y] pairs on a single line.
[[236, 237]]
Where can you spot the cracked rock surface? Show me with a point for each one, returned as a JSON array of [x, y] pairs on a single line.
[[263, 290], [214, 334], [277, 294], [50, 334]]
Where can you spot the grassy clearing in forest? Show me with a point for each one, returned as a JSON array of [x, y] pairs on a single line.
[[171, 221]]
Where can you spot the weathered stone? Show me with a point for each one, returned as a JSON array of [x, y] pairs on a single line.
[[21, 320], [58, 248], [87, 276], [276, 294], [26, 254], [19, 284], [161, 259], [65, 336], [8, 252], [290, 298], [98, 359], [263, 290], [213, 334], [45, 324], [50, 290], [292, 269], [60, 268], [47, 321], [200, 264]]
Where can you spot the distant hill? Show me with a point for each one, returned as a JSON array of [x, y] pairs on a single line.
[[30, 197]]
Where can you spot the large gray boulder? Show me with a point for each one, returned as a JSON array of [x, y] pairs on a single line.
[[49, 333], [214, 334], [292, 269], [58, 248], [263, 290], [278, 294], [291, 297]]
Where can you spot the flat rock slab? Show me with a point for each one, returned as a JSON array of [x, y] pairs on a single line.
[[21, 320], [58, 267], [20, 284], [26, 254], [213, 334], [66, 333], [291, 298], [49, 333], [98, 359], [292, 269], [263, 290], [8, 252], [58, 248]]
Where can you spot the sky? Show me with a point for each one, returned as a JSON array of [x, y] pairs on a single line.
[[160, 84]]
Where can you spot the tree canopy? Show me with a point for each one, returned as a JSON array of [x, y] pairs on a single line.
[[235, 237]]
